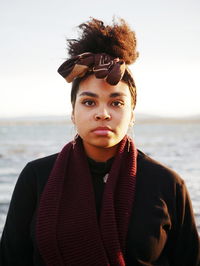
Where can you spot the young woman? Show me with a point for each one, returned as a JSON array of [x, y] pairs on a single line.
[[100, 201]]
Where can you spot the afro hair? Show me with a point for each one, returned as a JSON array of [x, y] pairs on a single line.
[[116, 40]]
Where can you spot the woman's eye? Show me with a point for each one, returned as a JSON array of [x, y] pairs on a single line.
[[88, 102], [117, 103]]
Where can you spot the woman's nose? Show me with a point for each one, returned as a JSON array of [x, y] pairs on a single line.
[[102, 115]]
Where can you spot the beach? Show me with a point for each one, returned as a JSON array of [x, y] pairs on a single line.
[[172, 142]]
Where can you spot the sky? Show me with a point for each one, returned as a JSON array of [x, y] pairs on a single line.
[[33, 45]]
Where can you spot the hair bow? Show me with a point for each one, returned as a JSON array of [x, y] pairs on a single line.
[[102, 65]]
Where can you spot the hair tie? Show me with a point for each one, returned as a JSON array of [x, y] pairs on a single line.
[[102, 65]]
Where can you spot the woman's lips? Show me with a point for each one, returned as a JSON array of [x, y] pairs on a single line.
[[102, 131]]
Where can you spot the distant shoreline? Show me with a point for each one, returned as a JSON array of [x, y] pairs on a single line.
[[140, 119]]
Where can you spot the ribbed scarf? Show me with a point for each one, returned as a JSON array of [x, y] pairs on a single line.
[[67, 230]]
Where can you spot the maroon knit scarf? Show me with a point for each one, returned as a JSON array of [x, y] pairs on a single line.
[[67, 229]]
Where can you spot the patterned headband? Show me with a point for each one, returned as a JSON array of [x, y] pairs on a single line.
[[102, 65]]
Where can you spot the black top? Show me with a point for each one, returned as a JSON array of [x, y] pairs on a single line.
[[98, 171], [162, 229]]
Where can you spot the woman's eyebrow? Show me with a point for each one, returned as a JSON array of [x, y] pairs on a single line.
[[88, 93], [92, 94], [117, 94]]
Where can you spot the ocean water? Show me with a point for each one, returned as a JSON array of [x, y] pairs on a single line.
[[176, 145]]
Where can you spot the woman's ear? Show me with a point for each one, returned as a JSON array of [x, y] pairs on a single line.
[[72, 117], [132, 121]]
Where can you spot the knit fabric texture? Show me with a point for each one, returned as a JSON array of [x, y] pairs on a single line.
[[67, 230]]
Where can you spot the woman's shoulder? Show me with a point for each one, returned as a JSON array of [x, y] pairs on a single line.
[[44, 163], [36, 172], [154, 170]]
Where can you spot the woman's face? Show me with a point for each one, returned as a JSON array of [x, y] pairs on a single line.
[[102, 113]]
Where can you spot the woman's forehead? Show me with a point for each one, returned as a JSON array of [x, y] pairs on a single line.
[[95, 86]]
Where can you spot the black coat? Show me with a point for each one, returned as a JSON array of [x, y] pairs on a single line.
[[162, 229]]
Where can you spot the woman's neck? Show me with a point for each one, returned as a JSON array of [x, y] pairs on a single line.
[[99, 154]]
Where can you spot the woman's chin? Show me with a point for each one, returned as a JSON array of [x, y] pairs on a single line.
[[103, 142]]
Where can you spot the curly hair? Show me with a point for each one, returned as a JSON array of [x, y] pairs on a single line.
[[116, 40]]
